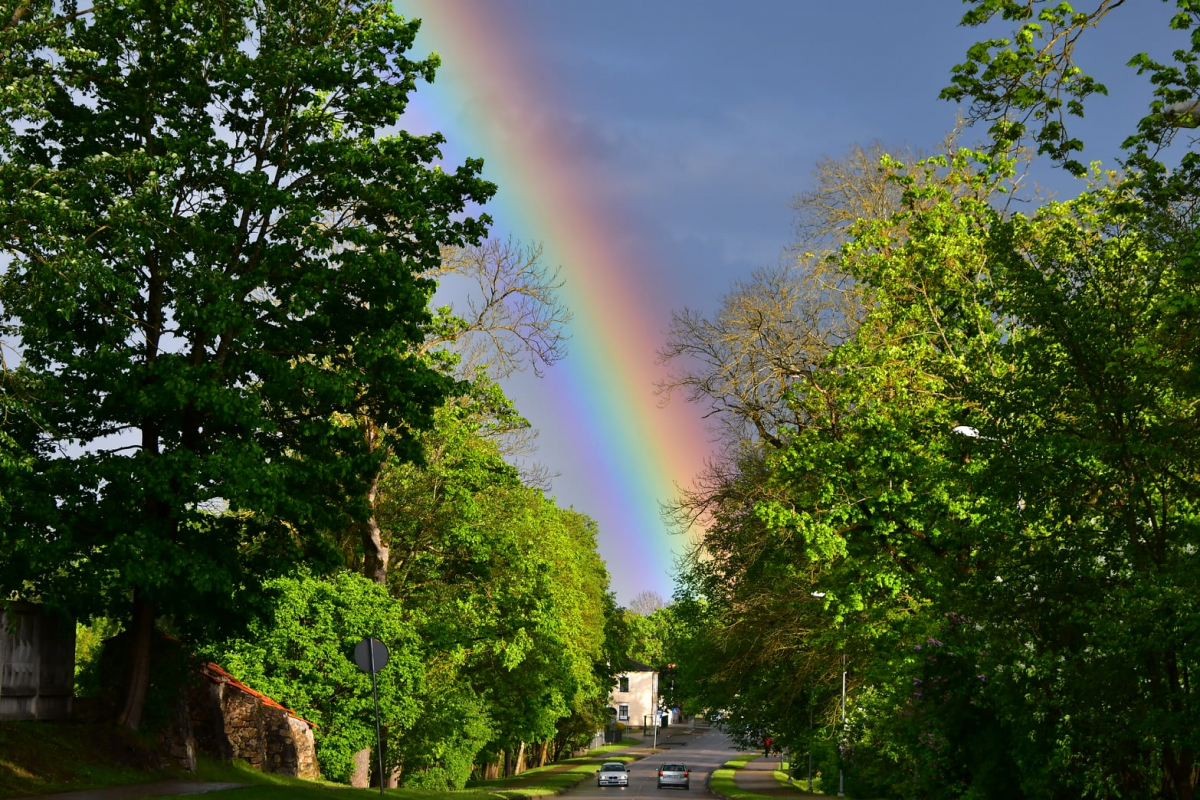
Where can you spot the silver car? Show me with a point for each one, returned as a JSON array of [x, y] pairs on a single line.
[[674, 775], [612, 773]]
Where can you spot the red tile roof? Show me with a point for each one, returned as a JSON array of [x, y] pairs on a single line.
[[216, 674]]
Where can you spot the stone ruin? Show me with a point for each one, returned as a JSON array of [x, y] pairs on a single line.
[[228, 718]]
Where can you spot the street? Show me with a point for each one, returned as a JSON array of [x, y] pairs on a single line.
[[703, 752]]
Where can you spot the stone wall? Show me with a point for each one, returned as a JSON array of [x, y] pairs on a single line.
[[37, 663], [232, 720]]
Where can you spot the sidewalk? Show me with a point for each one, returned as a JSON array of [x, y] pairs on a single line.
[[757, 777]]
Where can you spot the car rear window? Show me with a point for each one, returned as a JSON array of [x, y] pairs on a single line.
[[674, 768]]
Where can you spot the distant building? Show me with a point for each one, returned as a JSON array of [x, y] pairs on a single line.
[[635, 695]]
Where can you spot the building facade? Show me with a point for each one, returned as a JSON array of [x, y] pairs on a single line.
[[635, 696]]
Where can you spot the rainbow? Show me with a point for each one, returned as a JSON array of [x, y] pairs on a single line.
[[636, 453]]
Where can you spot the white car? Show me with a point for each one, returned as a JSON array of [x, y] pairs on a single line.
[[612, 773]]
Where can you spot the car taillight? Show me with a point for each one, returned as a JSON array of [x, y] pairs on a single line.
[[660, 773], [686, 774]]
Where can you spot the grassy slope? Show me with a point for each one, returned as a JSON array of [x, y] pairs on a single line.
[[44, 758], [41, 757]]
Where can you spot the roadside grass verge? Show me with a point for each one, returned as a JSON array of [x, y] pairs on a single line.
[[722, 780], [553, 778]]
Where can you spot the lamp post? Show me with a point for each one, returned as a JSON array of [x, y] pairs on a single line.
[[841, 772]]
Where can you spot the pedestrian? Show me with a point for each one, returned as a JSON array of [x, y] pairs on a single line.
[[767, 747]]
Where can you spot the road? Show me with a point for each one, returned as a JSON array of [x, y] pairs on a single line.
[[703, 753]]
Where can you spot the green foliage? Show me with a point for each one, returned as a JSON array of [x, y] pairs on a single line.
[[991, 589], [215, 258], [650, 636], [1028, 84], [497, 601], [89, 640], [513, 596], [303, 657]]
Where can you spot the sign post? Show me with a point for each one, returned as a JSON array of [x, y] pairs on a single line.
[[371, 655]]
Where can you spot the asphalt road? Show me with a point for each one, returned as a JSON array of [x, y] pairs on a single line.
[[703, 753]]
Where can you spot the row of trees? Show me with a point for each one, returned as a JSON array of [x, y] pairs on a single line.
[[961, 468], [228, 409]]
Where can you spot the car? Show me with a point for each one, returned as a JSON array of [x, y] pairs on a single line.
[[674, 775], [612, 773]]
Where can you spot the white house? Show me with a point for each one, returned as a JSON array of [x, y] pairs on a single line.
[[635, 696]]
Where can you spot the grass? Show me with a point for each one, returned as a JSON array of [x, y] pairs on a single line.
[[722, 780], [45, 758], [555, 778], [724, 783], [538, 782]]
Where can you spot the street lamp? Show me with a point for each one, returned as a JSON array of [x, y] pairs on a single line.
[[841, 773]]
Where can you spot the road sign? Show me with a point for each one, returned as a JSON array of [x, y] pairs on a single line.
[[371, 655]]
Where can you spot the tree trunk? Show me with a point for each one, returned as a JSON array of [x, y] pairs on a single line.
[[1179, 768], [137, 677], [543, 753], [519, 767], [361, 777], [375, 553], [393, 775]]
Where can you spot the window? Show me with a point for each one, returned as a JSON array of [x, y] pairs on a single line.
[[623, 712], [623, 684]]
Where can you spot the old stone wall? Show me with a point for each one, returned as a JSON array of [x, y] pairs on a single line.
[[233, 721], [37, 663]]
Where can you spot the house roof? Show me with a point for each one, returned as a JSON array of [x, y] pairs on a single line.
[[637, 666], [216, 674]]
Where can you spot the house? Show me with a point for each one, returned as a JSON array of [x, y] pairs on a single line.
[[635, 696]]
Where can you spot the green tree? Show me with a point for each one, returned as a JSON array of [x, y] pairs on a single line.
[[508, 591], [216, 246], [303, 657]]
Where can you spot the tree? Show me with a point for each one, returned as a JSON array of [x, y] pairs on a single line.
[[1029, 85], [302, 655], [513, 597], [512, 318], [216, 261], [646, 603]]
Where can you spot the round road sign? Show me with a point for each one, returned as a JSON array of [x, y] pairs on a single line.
[[370, 654]]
